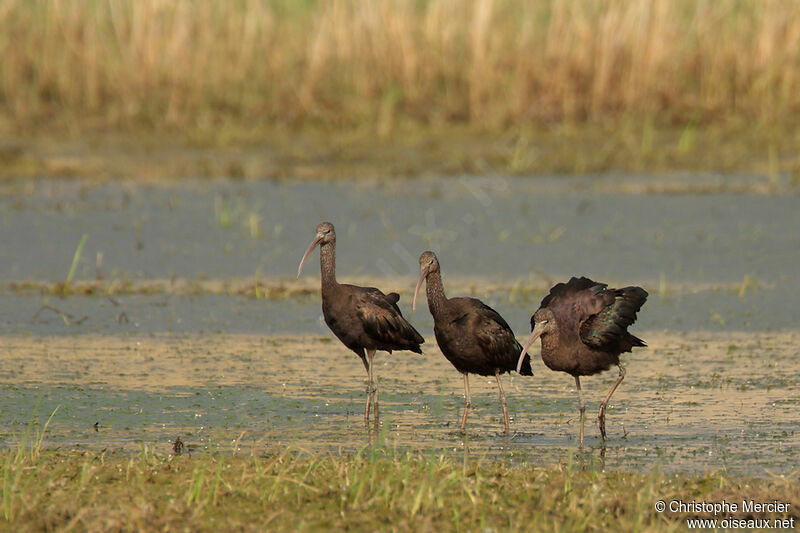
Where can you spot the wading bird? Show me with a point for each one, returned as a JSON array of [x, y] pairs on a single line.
[[583, 327], [363, 318], [471, 335]]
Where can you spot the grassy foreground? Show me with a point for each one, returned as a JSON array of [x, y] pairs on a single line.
[[331, 88], [373, 490]]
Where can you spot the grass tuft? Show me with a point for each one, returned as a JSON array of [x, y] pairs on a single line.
[[76, 257]]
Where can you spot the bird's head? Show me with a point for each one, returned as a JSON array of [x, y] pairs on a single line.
[[325, 235], [428, 262], [543, 322], [544, 319]]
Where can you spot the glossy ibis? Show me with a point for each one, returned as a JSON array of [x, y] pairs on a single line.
[[363, 318], [472, 335], [583, 327]]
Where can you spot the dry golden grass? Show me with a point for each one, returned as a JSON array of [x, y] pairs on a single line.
[[187, 64]]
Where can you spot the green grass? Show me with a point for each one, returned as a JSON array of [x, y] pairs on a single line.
[[64, 287], [414, 149], [377, 489]]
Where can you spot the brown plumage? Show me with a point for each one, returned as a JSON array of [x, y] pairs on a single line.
[[363, 318], [472, 335], [583, 327]]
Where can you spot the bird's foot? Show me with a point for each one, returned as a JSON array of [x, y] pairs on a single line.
[[464, 420]]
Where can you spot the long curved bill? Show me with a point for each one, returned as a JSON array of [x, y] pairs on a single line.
[[311, 247], [423, 273], [535, 334]]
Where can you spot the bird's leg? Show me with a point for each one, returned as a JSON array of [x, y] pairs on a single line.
[[369, 401], [502, 397], [371, 389], [601, 418], [374, 387], [467, 403], [581, 406]]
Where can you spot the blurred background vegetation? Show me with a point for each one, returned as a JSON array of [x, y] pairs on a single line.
[[398, 86]]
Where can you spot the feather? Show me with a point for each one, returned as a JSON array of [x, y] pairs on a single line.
[[607, 329]]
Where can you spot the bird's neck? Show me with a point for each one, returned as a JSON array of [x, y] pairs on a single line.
[[327, 264], [550, 343], [435, 292]]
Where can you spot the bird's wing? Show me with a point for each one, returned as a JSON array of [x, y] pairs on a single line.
[[491, 331], [382, 318], [607, 327], [574, 302], [372, 297], [567, 292]]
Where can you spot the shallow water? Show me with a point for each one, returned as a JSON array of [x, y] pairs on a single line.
[[501, 228], [691, 402], [716, 311], [718, 387]]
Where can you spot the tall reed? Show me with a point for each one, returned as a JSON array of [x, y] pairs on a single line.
[[184, 63]]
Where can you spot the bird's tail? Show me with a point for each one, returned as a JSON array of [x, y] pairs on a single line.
[[415, 339], [633, 340], [525, 369]]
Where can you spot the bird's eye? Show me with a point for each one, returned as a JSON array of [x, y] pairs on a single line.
[[543, 322]]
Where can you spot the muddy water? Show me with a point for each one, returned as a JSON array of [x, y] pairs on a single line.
[[718, 387], [692, 401]]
